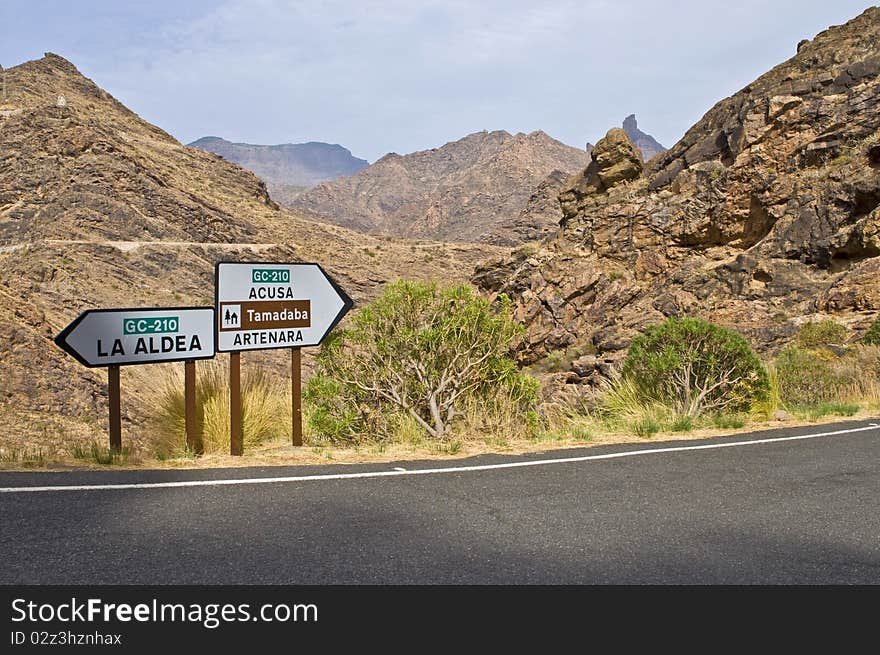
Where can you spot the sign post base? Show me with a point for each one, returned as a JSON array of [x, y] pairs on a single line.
[[236, 446], [115, 411], [192, 419], [296, 395]]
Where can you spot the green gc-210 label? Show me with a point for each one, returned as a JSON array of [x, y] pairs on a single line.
[[270, 276], [152, 325]]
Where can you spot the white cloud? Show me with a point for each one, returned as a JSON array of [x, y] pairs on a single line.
[[401, 75]]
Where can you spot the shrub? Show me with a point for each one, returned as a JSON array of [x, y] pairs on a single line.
[[858, 371], [695, 366], [265, 408], [646, 427], [682, 424], [872, 336], [100, 454], [821, 334], [422, 352], [805, 377], [831, 409], [728, 421]]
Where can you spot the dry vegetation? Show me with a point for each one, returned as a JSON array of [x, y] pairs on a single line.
[[849, 386]]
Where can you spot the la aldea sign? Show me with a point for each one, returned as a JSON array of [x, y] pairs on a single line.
[[108, 337], [257, 306]]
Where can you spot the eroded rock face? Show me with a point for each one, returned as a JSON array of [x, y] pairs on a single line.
[[764, 214]]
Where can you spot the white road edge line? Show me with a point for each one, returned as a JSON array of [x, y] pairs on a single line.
[[451, 469]]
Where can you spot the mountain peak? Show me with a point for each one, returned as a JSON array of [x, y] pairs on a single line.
[[648, 145]]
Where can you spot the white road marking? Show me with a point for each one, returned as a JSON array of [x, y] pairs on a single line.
[[450, 469], [399, 468]]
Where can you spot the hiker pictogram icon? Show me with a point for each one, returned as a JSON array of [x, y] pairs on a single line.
[[231, 316]]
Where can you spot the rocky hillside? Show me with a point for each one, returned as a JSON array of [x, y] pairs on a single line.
[[287, 169], [462, 191], [647, 145], [100, 209], [763, 216]]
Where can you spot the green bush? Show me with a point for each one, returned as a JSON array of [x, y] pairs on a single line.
[[646, 427], [432, 355], [728, 421], [821, 334], [872, 336], [682, 424], [806, 377], [695, 366], [816, 412]]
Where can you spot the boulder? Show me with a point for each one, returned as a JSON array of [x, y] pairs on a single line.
[[613, 160]]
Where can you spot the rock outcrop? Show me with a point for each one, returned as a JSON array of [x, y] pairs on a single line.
[[614, 159], [764, 215], [464, 191]]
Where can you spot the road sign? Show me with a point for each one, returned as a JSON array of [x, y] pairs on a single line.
[[263, 305], [115, 337]]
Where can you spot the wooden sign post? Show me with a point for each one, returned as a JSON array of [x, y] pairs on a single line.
[[236, 444], [296, 395], [263, 305], [115, 408], [192, 419]]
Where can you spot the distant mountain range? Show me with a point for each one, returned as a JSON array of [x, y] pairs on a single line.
[[287, 169], [463, 191]]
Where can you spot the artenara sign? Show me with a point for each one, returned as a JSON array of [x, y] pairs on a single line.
[[116, 337], [263, 305]]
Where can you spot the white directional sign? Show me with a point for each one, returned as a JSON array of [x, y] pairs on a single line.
[[275, 305], [105, 337]]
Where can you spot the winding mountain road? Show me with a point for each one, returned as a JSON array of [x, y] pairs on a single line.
[[797, 505]]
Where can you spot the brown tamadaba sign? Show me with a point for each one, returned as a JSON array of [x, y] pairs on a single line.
[[265, 315]]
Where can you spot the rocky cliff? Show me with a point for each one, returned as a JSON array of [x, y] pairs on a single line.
[[463, 191], [287, 169], [764, 215]]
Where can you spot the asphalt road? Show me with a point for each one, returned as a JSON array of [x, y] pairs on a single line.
[[787, 511]]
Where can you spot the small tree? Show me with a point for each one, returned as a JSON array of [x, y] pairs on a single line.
[[872, 336], [806, 377], [420, 351], [695, 366], [821, 334]]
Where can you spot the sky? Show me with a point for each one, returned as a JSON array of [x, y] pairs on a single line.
[[403, 75]]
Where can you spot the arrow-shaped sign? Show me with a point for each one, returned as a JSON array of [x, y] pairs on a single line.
[[114, 337], [264, 305]]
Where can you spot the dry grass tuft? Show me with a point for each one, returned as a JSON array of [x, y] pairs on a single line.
[[265, 406]]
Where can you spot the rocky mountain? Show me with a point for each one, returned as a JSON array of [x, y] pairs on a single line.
[[287, 169], [764, 215], [647, 145], [98, 208], [461, 191], [537, 220]]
